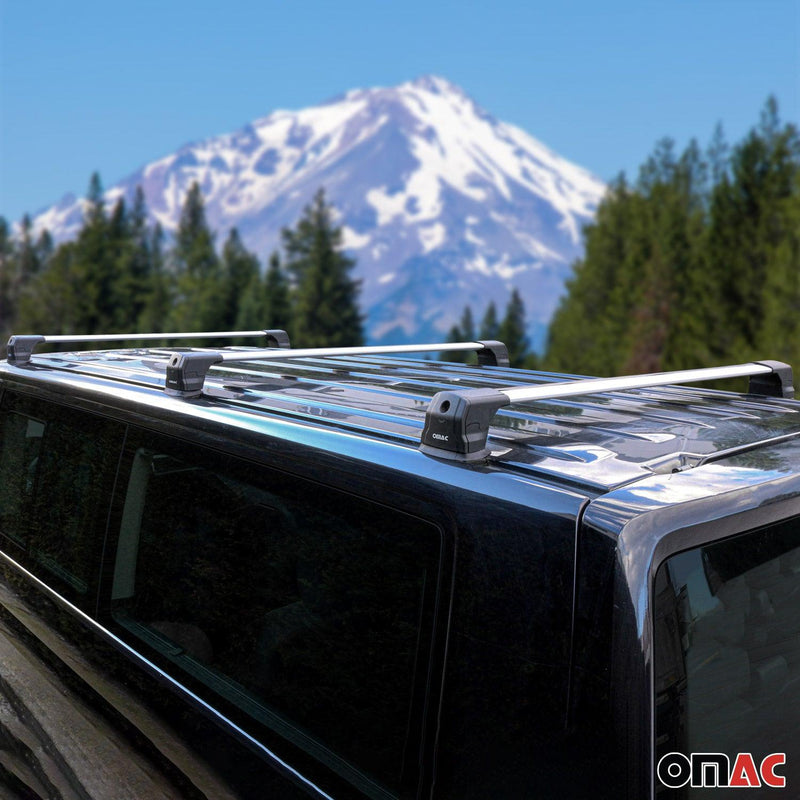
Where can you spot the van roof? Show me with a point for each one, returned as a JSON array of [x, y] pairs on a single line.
[[597, 441]]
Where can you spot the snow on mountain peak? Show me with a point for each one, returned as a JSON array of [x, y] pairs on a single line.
[[441, 204]]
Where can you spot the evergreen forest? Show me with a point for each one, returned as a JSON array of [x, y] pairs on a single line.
[[117, 276], [695, 264]]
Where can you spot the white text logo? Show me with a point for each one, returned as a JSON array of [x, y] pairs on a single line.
[[714, 770]]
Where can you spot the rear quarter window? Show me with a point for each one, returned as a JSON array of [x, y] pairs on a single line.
[[727, 652]]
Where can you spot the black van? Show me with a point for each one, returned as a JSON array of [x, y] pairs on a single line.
[[273, 573]]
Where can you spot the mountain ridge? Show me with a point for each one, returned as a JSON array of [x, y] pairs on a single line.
[[441, 204]]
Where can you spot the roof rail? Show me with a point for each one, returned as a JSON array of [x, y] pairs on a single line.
[[186, 372], [457, 421], [20, 348]]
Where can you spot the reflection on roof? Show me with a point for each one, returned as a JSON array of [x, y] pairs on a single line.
[[599, 441]]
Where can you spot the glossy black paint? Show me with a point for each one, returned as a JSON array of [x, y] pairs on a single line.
[[640, 527], [535, 637]]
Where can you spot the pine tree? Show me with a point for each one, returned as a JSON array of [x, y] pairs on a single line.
[[8, 268], [746, 227], [326, 310], [490, 327], [453, 356], [682, 231], [28, 262], [22, 267], [662, 315], [129, 243], [467, 325], [718, 155], [44, 249], [54, 300], [512, 331], [239, 269], [589, 333], [200, 302], [266, 302], [453, 336], [117, 232], [277, 305], [93, 262], [464, 331], [118, 247], [251, 313], [158, 292]]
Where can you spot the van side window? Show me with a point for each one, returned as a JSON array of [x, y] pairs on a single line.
[[57, 468], [20, 446], [727, 648], [308, 609]]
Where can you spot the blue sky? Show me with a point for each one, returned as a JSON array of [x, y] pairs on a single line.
[[110, 86]]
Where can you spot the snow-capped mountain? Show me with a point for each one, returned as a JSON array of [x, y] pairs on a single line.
[[441, 204]]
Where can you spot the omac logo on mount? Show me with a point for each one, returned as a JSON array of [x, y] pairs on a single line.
[[714, 770]]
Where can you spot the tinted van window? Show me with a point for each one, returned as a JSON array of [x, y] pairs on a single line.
[[57, 470], [727, 650], [305, 608], [20, 446]]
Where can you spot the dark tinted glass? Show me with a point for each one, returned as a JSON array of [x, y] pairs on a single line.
[[727, 651], [20, 445], [57, 468], [305, 608]]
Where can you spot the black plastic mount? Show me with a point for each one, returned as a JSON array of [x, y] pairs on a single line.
[[778, 383], [495, 354], [20, 348], [186, 373], [457, 423], [278, 338]]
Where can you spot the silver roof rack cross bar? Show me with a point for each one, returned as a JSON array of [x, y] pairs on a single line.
[[186, 372], [489, 352], [20, 348], [457, 421]]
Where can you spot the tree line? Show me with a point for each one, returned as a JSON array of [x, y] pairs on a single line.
[[510, 330], [695, 264], [117, 276]]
